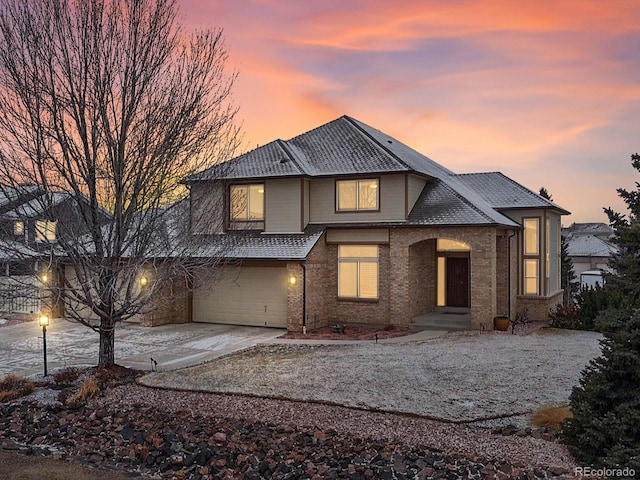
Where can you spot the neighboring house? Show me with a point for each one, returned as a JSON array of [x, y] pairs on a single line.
[[33, 220], [346, 224], [589, 246]]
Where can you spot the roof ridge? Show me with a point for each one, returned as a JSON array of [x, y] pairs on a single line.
[[354, 123], [287, 150], [467, 174]]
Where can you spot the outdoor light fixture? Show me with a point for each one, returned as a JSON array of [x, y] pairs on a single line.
[[144, 281], [44, 278], [44, 323], [292, 280]]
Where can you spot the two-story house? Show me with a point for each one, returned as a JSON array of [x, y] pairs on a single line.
[[347, 224]]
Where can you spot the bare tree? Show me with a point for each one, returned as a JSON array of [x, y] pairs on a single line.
[[110, 104]]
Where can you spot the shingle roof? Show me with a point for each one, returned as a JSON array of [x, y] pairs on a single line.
[[598, 229], [589, 246], [254, 245], [503, 193], [37, 206], [270, 160], [347, 146], [440, 204], [12, 250]]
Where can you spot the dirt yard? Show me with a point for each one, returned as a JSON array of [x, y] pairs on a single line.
[[15, 466]]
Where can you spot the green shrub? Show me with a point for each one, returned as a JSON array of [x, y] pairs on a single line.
[[590, 304]]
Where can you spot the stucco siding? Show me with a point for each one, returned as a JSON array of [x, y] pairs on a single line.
[[207, 208], [283, 206], [322, 198], [305, 202], [415, 185]]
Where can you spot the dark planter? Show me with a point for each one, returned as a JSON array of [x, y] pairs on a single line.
[[501, 323]]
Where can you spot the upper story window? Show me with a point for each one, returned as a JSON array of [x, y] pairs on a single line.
[[358, 271], [45, 231], [531, 237], [247, 202], [354, 195], [18, 228]]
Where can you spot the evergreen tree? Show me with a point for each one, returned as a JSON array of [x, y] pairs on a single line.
[[568, 279], [605, 428], [626, 263], [545, 194]]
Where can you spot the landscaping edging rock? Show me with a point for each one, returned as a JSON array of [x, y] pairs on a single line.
[[140, 438]]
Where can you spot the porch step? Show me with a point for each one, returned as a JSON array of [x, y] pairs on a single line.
[[442, 320]]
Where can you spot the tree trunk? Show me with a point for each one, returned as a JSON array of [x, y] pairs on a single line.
[[107, 345]]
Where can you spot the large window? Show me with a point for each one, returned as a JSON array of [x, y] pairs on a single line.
[[247, 202], [531, 250], [45, 231], [358, 271], [354, 195]]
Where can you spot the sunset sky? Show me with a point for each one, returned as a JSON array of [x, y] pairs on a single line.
[[546, 92]]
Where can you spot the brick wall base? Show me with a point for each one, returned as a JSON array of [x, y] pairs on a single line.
[[538, 308]]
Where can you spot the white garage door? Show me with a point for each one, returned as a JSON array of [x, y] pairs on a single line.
[[255, 296]]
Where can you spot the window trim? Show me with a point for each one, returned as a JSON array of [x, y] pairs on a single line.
[[357, 209], [537, 277], [230, 204], [42, 234], [358, 261], [537, 257]]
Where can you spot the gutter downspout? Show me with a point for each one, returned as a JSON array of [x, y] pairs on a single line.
[[304, 298]]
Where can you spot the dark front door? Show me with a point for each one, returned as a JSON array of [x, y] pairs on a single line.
[[457, 282]]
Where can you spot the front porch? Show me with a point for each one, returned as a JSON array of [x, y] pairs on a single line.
[[443, 318]]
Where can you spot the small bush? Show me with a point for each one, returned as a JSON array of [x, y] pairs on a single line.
[[566, 316], [551, 417], [67, 375], [88, 390], [13, 387]]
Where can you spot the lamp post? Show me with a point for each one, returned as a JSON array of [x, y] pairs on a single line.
[[44, 323]]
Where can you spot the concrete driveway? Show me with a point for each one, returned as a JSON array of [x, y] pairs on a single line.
[[172, 346]]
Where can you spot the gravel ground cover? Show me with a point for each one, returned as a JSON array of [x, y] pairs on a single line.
[[202, 436], [457, 378]]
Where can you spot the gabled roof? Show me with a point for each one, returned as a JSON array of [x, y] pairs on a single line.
[[503, 193], [36, 206], [346, 146], [12, 196]]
